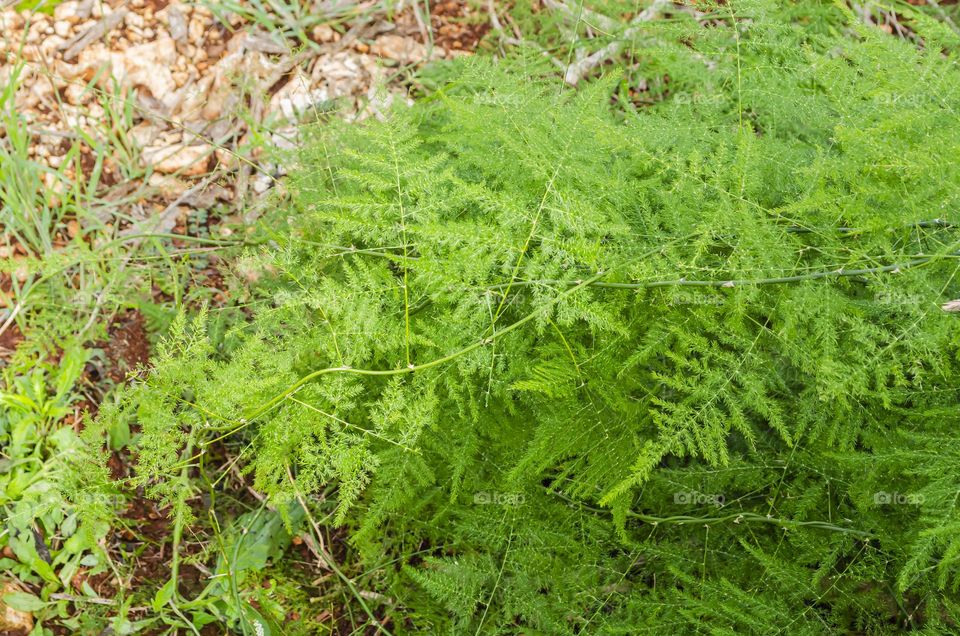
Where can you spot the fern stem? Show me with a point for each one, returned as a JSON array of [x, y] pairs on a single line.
[[403, 237], [419, 367], [854, 231], [526, 246], [683, 282], [496, 585], [234, 587], [736, 517], [178, 523]]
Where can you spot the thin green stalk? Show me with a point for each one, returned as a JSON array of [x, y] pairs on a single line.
[[683, 282], [178, 521], [735, 517], [419, 367], [328, 559], [178, 535]]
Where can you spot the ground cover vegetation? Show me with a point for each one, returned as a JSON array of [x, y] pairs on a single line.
[[671, 351]]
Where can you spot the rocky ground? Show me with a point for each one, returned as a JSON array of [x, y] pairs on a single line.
[[188, 90]]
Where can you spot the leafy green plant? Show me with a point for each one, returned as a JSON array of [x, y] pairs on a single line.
[[46, 542], [576, 369]]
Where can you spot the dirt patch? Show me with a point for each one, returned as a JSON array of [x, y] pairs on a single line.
[[128, 347], [458, 26], [9, 340], [144, 546]]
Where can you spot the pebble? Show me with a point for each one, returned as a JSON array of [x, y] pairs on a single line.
[[36, 30], [168, 187], [399, 48], [198, 24], [261, 183], [324, 33], [68, 11], [189, 160], [10, 20]]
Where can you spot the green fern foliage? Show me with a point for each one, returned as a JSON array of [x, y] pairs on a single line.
[[576, 366]]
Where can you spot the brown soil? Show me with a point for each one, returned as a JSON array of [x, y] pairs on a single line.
[[457, 26], [128, 347], [146, 542], [9, 340]]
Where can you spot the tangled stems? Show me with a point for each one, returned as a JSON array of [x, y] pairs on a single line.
[[574, 286], [738, 517], [735, 517], [266, 406], [237, 425], [411, 368], [683, 282]]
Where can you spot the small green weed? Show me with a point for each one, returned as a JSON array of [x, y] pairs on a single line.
[[47, 540]]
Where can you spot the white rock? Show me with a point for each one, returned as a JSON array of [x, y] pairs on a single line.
[[399, 48], [168, 187], [10, 20], [189, 161], [296, 98], [262, 183], [144, 134], [325, 33], [148, 65], [144, 66], [68, 11]]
